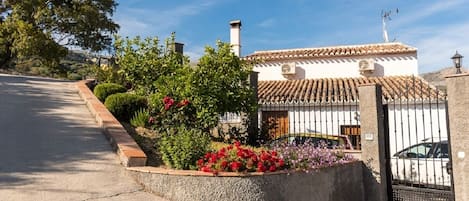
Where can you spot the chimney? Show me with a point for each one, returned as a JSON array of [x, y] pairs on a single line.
[[235, 38], [178, 47]]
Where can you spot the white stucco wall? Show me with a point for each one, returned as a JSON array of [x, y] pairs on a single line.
[[385, 65], [409, 124], [324, 118]]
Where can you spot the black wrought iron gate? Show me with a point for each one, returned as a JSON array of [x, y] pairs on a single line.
[[418, 148]]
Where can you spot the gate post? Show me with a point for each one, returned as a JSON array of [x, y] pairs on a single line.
[[373, 142], [458, 104]]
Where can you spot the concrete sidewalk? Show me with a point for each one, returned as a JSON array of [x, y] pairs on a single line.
[[51, 148]]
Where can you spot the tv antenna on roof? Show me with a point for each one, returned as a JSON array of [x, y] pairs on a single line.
[[386, 16]]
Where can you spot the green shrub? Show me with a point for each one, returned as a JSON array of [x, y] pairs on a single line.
[[140, 118], [102, 91], [74, 76], [124, 105], [180, 147]]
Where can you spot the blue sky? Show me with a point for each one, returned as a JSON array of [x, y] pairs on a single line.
[[436, 27]]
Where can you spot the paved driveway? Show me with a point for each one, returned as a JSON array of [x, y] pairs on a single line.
[[51, 148]]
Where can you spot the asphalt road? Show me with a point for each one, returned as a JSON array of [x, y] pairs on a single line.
[[51, 148]]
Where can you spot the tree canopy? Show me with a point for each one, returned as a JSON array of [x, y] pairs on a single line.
[[218, 84], [42, 30]]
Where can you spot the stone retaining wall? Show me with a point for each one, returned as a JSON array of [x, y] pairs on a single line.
[[342, 182]]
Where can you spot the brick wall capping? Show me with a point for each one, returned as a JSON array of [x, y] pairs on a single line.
[[167, 171], [130, 154]]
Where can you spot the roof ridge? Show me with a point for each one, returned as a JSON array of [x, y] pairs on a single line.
[[335, 47]]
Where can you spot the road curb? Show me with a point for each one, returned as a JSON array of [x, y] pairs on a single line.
[[122, 143]]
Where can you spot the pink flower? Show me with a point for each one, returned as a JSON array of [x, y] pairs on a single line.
[[151, 120], [168, 102]]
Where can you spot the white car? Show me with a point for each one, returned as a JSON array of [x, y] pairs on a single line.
[[424, 164]]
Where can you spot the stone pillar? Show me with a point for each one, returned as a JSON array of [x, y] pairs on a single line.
[[373, 142], [253, 122], [458, 104]]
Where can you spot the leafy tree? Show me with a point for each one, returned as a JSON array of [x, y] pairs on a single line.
[[42, 29], [219, 84], [145, 64]]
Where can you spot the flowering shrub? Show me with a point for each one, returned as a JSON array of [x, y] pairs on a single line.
[[309, 156], [172, 113], [235, 158]]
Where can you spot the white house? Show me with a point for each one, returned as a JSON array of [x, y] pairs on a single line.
[[368, 60], [316, 90]]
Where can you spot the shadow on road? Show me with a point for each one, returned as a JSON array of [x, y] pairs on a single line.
[[44, 127]]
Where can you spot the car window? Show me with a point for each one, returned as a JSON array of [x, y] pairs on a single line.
[[441, 151], [417, 151]]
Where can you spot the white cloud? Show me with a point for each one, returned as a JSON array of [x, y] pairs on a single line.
[[194, 53], [426, 11], [439, 44], [130, 26]]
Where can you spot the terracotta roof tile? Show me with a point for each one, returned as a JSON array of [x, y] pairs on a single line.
[[333, 90], [334, 51]]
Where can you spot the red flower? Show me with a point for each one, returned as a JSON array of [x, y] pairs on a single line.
[[237, 144], [213, 158], [200, 162], [205, 169], [265, 156], [224, 164], [261, 167], [183, 103], [254, 158], [240, 154], [229, 147], [223, 150], [221, 154], [166, 99], [281, 163], [272, 168], [274, 153], [168, 102], [235, 166]]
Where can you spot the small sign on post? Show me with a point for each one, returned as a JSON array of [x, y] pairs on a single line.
[[369, 136]]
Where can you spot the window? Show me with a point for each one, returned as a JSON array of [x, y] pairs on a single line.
[[354, 134]]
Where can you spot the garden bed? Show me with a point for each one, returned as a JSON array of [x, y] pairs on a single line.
[[340, 182]]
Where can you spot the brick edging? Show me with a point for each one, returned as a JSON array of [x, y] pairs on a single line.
[[174, 172], [125, 146]]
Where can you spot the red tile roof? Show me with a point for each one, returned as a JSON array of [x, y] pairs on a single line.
[[333, 51], [339, 90]]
